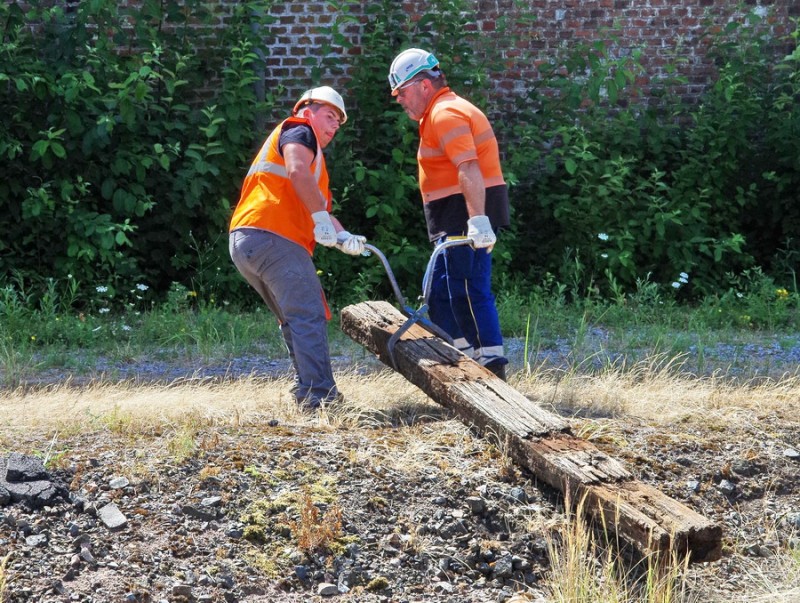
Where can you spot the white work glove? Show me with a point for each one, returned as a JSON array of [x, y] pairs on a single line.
[[349, 243], [479, 229], [324, 232]]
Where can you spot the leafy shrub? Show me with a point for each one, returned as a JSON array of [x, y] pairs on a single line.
[[112, 167], [654, 192]]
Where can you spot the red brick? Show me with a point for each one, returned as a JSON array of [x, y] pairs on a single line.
[[655, 26]]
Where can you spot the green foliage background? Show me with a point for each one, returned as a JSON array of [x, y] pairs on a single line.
[[121, 161]]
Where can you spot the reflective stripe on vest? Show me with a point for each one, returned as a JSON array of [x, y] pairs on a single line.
[[268, 167]]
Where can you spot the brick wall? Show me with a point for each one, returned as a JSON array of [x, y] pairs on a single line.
[[663, 29]]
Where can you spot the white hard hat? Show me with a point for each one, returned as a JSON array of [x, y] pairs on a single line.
[[322, 94], [409, 63]]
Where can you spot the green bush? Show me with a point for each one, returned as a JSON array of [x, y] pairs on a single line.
[[706, 191], [113, 168]]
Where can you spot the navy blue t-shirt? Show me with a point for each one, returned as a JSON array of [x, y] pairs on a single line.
[[300, 133]]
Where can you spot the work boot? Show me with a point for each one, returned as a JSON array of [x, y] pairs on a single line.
[[314, 403], [498, 368]]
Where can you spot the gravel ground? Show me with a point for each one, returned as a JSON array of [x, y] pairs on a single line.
[[384, 511], [765, 357], [136, 524]]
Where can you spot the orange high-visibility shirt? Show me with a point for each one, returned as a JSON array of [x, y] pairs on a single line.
[[268, 199], [453, 131]]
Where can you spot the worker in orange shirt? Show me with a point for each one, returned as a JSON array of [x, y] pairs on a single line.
[[463, 194], [283, 212]]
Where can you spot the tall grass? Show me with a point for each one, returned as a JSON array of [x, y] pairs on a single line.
[[586, 567], [4, 577], [49, 328]]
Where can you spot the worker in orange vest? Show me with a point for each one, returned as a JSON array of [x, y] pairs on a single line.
[[464, 194], [283, 212]]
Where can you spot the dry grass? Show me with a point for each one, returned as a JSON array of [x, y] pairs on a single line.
[[768, 589], [312, 531], [3, 577], [129, 407], [585, 568], [648, 392], [656, 393]]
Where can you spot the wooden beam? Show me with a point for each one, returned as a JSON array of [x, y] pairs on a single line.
[[534, 438]]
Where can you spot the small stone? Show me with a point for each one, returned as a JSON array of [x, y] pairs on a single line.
[[301, 571], [745, 468], [726, 487], [24, 468], [519, 495], [87, 556], [505, 595], [198, 513], [118, 483], [36, 540], [182, 590], [112, 517], [520, 563], [326, 589], [503, 567], [476, 505], [792, 454]]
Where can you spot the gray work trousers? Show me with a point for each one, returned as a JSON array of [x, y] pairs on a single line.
[[284, 276]]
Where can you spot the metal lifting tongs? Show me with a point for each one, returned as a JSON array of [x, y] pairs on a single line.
[[417, 316]]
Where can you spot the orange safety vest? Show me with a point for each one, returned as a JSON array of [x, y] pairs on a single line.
[[453, 131], [268, 199]]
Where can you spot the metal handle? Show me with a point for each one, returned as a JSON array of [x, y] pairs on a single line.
[[416, 316], [397, 293]]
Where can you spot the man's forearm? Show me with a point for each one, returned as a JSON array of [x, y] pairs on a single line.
[[308, 192], [472, 187]]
